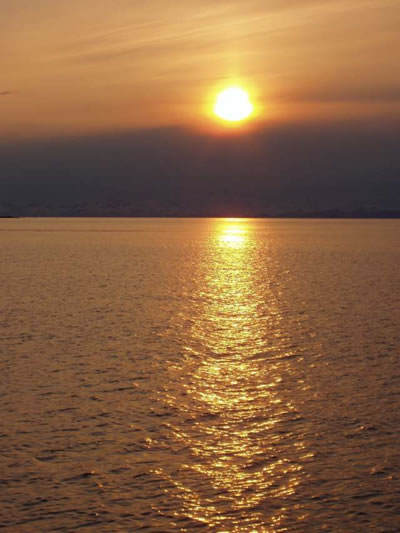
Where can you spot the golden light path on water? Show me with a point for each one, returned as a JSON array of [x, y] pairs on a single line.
[[239, 463]]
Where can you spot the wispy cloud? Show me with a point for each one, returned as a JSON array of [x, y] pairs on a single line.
[[337, 94], [7, 93]]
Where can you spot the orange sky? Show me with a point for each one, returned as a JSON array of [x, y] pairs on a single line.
[[77, 66]]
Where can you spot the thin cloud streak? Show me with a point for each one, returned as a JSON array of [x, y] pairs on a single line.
[[337, 94], [219, 25]]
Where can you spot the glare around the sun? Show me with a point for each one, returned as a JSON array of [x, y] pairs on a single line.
[[233, 104]]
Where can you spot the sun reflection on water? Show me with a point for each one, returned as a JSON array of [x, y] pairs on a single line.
[[240, 463], [233, 233]]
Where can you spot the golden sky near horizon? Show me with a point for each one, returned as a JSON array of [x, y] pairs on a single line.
[[77, 66]]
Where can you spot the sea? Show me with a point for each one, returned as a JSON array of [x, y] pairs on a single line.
[[217, 375]]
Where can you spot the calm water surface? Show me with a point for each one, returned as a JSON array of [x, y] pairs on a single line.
[[211, 375]]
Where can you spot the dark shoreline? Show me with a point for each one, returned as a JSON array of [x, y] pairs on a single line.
[[305, 216]]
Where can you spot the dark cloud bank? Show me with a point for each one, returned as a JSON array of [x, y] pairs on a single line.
[[305, 169]]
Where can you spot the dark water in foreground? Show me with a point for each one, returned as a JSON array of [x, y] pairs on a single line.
[[211, 375]]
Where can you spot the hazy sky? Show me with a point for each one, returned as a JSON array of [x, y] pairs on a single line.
[[80, 66], [108, 103]]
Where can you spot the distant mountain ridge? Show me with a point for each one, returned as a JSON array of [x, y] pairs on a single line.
[[335, 170], [38, 210]]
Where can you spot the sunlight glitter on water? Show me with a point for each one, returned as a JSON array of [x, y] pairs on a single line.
[[233, 232], [233, 399]]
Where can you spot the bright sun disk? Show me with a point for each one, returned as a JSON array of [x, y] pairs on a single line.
[[233, 104]]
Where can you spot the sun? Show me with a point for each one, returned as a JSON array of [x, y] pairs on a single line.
[[233, 104]]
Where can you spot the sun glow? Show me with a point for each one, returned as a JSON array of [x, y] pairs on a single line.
[[233, 104]]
